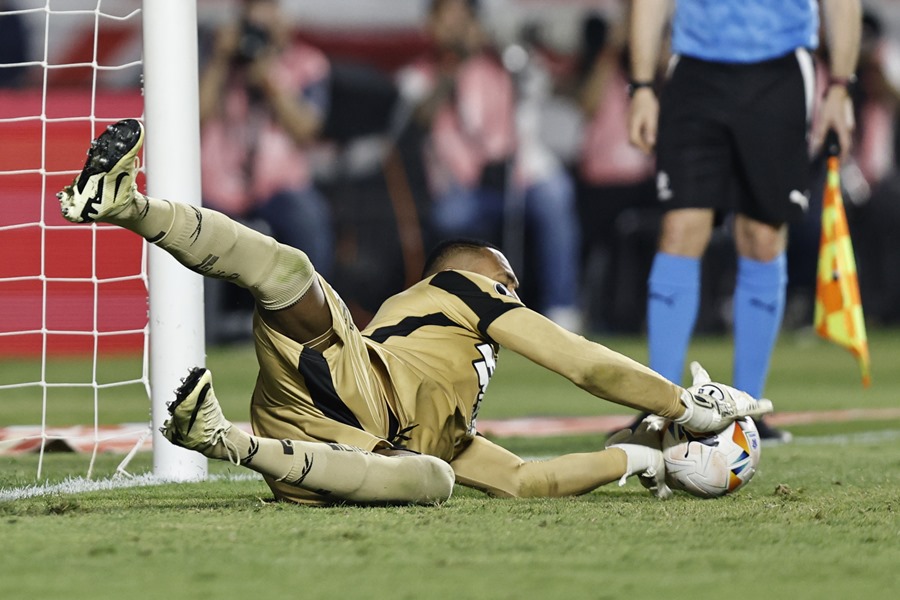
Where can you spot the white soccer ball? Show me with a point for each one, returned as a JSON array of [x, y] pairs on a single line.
[[710, 465]]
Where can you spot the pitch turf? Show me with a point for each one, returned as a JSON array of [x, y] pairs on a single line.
[[818, 521]]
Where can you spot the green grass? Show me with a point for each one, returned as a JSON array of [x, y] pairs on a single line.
[[818, 521]]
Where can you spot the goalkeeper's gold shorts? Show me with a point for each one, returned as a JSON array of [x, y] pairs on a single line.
[[331, 396]]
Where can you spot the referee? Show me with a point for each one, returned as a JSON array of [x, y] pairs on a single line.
[[731, 133]]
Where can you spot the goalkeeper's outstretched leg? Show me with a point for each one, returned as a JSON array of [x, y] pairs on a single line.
[[281, 278], [336, 472]]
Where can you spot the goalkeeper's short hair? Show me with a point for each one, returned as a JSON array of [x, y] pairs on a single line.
[[447, 249]]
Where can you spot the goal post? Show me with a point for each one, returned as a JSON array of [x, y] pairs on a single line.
[[172, 156]]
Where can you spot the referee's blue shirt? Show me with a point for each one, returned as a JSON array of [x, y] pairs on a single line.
[[743, 31]]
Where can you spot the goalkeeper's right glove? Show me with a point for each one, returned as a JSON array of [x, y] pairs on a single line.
[[713, 406]]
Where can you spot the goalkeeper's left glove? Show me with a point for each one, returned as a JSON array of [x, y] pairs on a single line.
[[713, 406]]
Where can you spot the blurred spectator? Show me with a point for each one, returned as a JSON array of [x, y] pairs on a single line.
[[484, 175], [263, 99], [13, 45], [615, 182]]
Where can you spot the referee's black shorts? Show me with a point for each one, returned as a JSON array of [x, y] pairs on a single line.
[[734, 137]]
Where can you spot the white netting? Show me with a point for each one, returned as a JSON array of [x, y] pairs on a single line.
[[73, 299]]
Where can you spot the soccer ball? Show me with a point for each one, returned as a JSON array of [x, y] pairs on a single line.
[[710, 465]]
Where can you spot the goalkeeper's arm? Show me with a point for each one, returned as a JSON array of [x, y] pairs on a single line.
[[593, 367], [605, 373]]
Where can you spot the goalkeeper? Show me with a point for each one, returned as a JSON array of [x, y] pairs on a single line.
[[387, 414]]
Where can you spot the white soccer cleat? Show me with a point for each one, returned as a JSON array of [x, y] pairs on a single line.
[[711, 406], [106, 184], [197, 422], [643, 446]]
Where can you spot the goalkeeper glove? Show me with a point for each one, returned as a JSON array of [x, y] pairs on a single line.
[[713, 406], [643, 451]]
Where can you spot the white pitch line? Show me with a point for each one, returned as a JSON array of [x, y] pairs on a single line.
[[845, 439], [80, 485]]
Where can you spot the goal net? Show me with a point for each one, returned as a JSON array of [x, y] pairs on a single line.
[[77, 373]]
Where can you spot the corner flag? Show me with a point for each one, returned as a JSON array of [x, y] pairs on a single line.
[[839, 314]]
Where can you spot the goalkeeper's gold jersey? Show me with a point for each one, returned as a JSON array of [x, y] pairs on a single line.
[[415, 377], [433, 341]]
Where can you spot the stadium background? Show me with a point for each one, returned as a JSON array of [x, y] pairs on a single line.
[[366, 43]]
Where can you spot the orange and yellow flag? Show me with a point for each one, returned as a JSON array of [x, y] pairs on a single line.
[[839, 314]]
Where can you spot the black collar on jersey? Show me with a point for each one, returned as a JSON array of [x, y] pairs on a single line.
[[486, 307]]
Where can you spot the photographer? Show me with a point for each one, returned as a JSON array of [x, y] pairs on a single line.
[[263, 99], [490, 177]]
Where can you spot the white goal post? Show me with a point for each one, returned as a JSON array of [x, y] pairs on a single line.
[[172, 155]]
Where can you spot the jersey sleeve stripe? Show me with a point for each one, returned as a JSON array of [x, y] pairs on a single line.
[[410, 324], [314, 369], [486, 307]]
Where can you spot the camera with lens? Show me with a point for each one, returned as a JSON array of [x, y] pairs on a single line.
[[253, 42]]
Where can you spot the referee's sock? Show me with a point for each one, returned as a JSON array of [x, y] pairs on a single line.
[[759, 299], [673, 300]]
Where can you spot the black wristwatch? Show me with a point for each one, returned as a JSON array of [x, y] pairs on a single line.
[[634, 86]]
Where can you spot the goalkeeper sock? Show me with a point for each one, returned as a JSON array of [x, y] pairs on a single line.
[[759, 299], [148, 217], [214, 245], [346, 472], [672, 303]]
